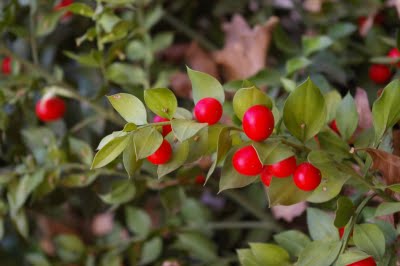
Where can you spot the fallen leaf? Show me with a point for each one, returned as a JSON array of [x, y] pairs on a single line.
[[180, 84], [245, 50], [175, 53], [386, 163], [363, 109], [396, 142], [198, 59], [313, 6], [288, 213]]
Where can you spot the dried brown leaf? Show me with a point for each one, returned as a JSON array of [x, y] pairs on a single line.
[[245, 50], [288, 213], [386, 163], [200, 60], [363, 109], [181, 85], [175, 53], [396, 142]]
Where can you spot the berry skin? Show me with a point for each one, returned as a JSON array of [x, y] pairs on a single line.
[[283, 168], [6, 66], [334, 127], [307, 177], [64, 3], [162, 154], [365, 262], [395, 54], [200, 179], [266, 176], [246, 162], [341, 232], [258, 122], [208, 110], [50, 109], [379, 74], [165, 129]]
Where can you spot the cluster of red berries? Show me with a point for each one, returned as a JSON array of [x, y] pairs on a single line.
[[380, 74], [258, 125]]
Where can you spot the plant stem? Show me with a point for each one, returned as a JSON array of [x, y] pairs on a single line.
[[32, 38], [178, 25]]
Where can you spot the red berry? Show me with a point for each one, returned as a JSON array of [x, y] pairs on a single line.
[[64, 3], [50, 109], [365, 262], [165, 129], [258, 122], [361, 21], [208, 110], [6, 66], [341, 232], [307, 177], [162, 154], [395, 54], [246, 161], [266, 177], [200, 179], [379, 73], [283, 168], [334, 127]]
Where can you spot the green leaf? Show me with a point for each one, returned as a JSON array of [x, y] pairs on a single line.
[[247, 258], [109, 138], [387, 208], [81, 150], [224, 143], [283, 191], [161, 41], [204, 86], [37, 259], [137, 221], [110, 151], [131, 163], [386, 109], [313, 44], [320, 225], [147, 140], [126, 74], [151, 250], [282, 40], [269, 254], [129, 107], [369, 238], [270, 152], [182, 113], [332, 101], [297, 63], [288, 84], [347, 117], [136, 50], [197, 245], [21, 222], [293, 241], [180, 152], [341, 30], [304, 113], [48, 23], [121, 192], [333, 144], [172, 198], [120, 31], [248, 97], [108, 20], [230, 178], [91, 59], [129, 127], [344, 211], [319, 253], [185, 129], [198, 146], [161, 101], [80, 9], [351, 256], [69, 247], [79, 180], [152, 17]]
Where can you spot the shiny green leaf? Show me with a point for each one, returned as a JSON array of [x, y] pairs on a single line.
[[147, 140], [110, 151], [248, 97], [369, 238], [161, 101], [121, 192], [185, 129], [129, 107], [347, 117], [205, 86]]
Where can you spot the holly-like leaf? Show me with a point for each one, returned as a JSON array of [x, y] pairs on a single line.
[[110, 151], [386, 109], [248, 97], [369, 238], [304, 113], [129, 107], [320, 225], [147, 140], [121, 192], [293, 241], [283, 191], [347, 117], [204, 86], [131, 163], [345, 209], [319, 253], [388, 164], [185, 129], [161, 101]]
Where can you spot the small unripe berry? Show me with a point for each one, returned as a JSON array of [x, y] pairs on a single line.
[[208, 110], [365, 262], [50, 109], [307, 177], [258, 122], [379, 74], [246, 161], [165, 129], [283, 168], [162, 155]]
